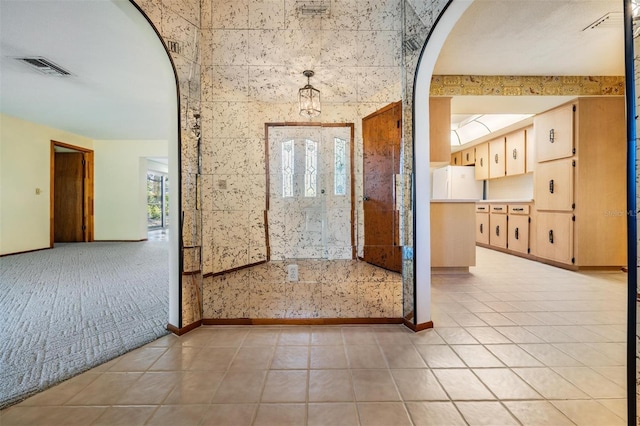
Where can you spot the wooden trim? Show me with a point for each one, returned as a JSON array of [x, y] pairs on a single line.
[[180, 331], [300, 321], [418, 327], [187, 273], [121, 241], [26, 251], [354, 251], [384, 109], [226, 271]]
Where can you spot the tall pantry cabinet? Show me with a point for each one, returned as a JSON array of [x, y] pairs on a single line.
[[580, 183]]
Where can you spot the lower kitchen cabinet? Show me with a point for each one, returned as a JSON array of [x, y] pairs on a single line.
[[518, 238], [498, 225], [482, 223], [554, 236]]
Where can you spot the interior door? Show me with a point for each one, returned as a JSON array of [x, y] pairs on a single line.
[[68, 203], [382, 133]]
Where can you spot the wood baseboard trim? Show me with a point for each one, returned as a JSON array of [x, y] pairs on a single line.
[[450, 270], [180, 331], [418, 327], [300, 321], [120, 241], [26, 251]]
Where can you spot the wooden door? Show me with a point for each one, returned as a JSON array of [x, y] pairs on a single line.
[[497, 167], [518, 239], [382, 132], [469, 157], [554, 133], [68, 206], [482, 163], [515, 153], [554, 236], [554, 185]]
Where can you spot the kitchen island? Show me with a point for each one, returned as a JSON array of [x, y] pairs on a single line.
[[453, 244]]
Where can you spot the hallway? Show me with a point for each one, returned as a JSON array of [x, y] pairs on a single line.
[[515, 342]]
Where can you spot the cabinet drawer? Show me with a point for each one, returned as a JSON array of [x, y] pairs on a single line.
[[497, 165], [518, 238], [515, 153], [482, 208], [554, 236], [482, 228], [499, 208], [498, 230], [519, 209], [554, 185], [554, 133]]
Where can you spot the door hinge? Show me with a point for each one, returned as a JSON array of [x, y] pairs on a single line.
[[574, 108], [573, 218], [573, 151], [529, 219], [573, 163], [398, 124], [84, 228], [573, 206], [83, 162]]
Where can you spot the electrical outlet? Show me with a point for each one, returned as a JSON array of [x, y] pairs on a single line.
[[292, 272]]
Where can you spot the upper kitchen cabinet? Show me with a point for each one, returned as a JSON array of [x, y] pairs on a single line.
[[456, 158], [497, 163], [516, 153], [530, 147], [554, 133], [482, 161], [469, 156], [440, 129]]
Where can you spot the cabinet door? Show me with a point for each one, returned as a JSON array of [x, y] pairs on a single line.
[[469, 157], [482, 161], [440, 129], [498, 226], [515, 153], [554, 236], [456, 158], [554, 185], [482, 228], [530, 147], [554, 133], [497, 165], [518, 239]]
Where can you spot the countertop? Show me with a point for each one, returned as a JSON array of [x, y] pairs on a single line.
[[507, 201], [454, 200]]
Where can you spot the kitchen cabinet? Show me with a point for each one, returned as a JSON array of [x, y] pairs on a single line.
[[482, 161], [530, 148], [469, 156], [452, 239], [456, 158], [497, 162], [515, 153], [580, 183], [498, 225], [482, 223], [440, 129], [518, 228]]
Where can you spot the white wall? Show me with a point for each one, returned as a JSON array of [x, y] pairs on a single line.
[[25, 152], [120, 187]]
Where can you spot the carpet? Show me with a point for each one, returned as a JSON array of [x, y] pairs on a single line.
[[66, 310]]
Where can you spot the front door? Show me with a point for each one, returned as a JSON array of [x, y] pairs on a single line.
[[69, 197], [382, 134]]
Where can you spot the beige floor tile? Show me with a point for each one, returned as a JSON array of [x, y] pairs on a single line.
[[462, 384], [615, 352], [106, 389], [285, 386], [326, 336], [334, 414], [616, 406], [152, 388], [550, 356], [522, 318], [434, 413], [200, 337], [513, 356], [439, 356], [505, 384], [125, 415], [213, 359], [330, 386], [328, 357], [588, 355], [592, 383], [374, 385], [550, 334], [176, 358], [549, 384], [617, 375], [261, 337], [195, 387], [426, 337], [290, 357], [252, 358], [229, 415], [582, 334], [183, 415], [138, 360], [227, 337], [47, 416], [164, 341], [295, 336], [487, 335], [467, 319], [588, 413], [383, 414], [536, 413], [495, 319], [418, 385], [456, 336], [365, 356], [240, 387], [280, 415], [476, 356], [357, 335], [485, 413], [393, 336], [519, 335], [63, 392], [402, 356]]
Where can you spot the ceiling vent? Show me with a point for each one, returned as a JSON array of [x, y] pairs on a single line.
[[610, 20], [44, 66], [313, 8]]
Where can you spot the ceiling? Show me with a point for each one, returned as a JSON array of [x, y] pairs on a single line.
[[117, 91]]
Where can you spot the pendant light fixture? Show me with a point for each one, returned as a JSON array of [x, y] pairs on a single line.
[[309, 98]]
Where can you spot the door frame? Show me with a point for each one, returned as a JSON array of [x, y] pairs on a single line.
[[87, 210]]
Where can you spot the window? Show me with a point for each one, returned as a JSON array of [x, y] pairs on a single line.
[[157, 200], [287, 168], [340, 166], [311, 168]]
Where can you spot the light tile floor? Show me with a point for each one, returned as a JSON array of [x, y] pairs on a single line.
[[515, 342]]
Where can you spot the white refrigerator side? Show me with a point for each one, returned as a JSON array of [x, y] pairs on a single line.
[[440, 183], [463, 184]]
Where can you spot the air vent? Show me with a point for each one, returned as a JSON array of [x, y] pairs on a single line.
[[44, 66], [313, 8], [610, 20]]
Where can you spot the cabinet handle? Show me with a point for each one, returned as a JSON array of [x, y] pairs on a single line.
[[551, 236], [455, 160], [481, 162], [515, 154], [551, 186], [496, 158], [497, 230], [481, 230], [498, 209], [552, 136], [517, 234], [518, 209], [467, 154]]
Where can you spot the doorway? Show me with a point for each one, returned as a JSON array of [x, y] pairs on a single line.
[[71, 213]]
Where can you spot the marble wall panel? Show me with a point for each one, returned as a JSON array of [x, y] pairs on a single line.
[[229, 157], [229, 257], [345, 15], [377, 84], [274, 84], [191, 298], [230, 14], [377, 15], [264, 47], [340, 300], [268, 300], [304, 300], [230, 120], [266, 14], [230, 228], [229, 83], [178, 28], [376, 299], [227, 47], [388, 47], [293, 20], [349, 53], [187, 9], [191, 259], [226, 296]]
